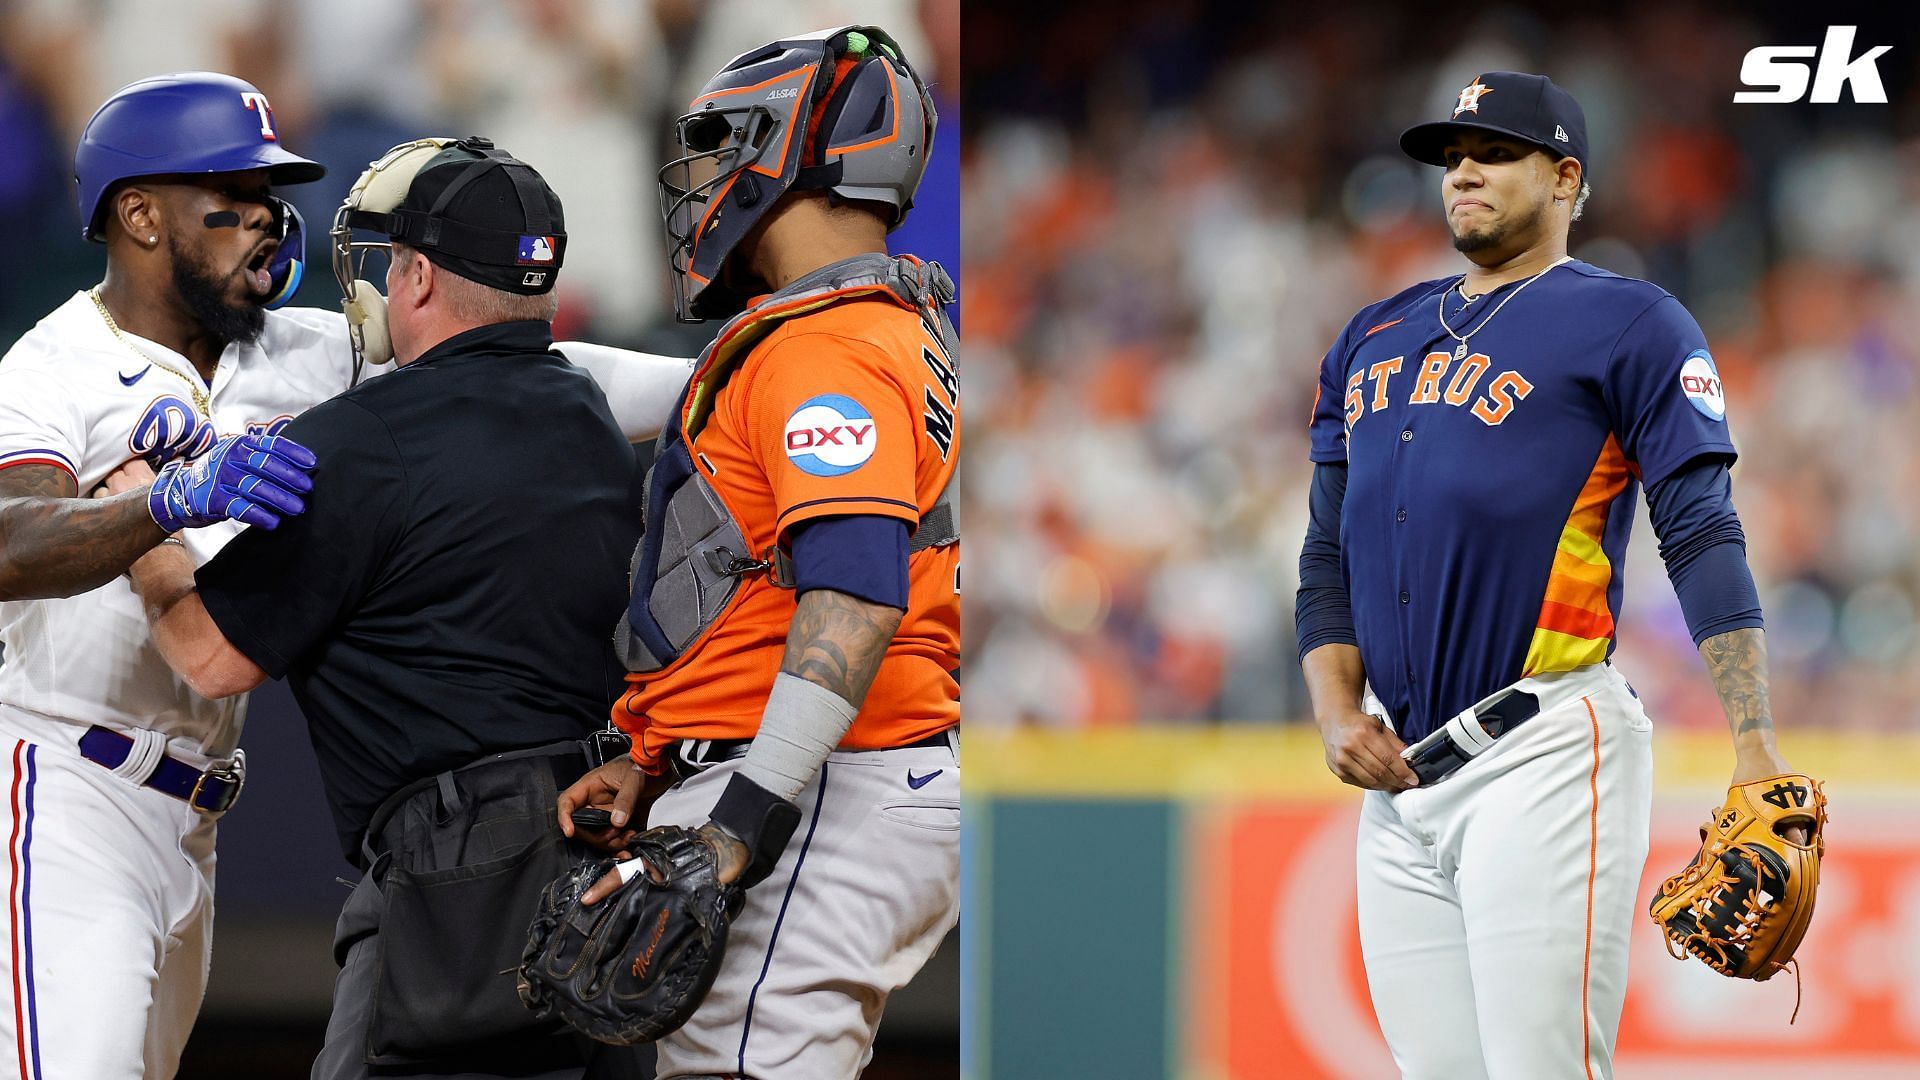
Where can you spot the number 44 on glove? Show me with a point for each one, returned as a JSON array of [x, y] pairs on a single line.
[[1747, 899]]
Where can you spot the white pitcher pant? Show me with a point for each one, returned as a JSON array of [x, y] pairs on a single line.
[[1496, 905]]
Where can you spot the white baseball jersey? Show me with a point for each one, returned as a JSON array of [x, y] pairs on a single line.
[[75, 396]]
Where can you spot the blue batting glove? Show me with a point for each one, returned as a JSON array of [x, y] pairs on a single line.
[[257, 479]]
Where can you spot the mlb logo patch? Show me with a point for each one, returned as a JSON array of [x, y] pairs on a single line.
[[830, 435], [1700, 381], [536, 250]]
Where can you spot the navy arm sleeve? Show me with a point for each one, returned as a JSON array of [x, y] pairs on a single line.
[[862, 555], [276, 595], [1322, 612], [1704, 547]]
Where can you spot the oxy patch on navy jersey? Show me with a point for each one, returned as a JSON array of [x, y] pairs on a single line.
[[1700, 381], [830, 435]]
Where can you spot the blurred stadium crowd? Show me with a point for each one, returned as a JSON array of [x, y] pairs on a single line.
[[1173, 207], [584, 90]]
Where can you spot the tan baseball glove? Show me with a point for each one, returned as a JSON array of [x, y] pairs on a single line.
[[1745, 902]]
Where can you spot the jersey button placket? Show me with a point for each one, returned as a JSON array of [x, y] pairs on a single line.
[[1403, 483]]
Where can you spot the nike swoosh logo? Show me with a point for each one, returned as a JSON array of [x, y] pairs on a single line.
[[1376, 329], [918, 782], [129, 380]]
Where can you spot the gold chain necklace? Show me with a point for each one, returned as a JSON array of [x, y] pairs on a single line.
[[202, 399]]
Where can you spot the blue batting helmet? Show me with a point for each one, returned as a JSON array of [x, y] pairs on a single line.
[[192, 122]]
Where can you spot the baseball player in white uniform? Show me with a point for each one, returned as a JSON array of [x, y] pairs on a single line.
[[116, 772]]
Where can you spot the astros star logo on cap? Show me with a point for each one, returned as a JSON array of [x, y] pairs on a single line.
[[1470, 97]]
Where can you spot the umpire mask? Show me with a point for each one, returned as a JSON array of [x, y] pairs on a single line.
[[473, 210]]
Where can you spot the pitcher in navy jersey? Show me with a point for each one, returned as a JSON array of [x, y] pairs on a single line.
[[1478, 442]]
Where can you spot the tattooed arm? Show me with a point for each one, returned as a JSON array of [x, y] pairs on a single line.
[[1737, 661], [834, 648], [53, 543], [837, 642]]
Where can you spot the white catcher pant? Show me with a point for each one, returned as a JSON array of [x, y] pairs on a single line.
[[1496, 906], [861, 898], [109, 914]]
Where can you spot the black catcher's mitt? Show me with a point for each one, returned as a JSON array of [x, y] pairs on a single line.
[[634, 966]]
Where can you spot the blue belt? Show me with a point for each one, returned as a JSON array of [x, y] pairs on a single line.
[[209, 791]]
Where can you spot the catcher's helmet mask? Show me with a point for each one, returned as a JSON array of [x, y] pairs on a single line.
[[839, 111]]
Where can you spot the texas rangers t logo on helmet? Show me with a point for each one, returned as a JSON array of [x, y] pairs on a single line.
[[1470, 97], [256, 102], [830, 435]]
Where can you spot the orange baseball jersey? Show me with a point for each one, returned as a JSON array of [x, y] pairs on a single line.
[[850, 409]]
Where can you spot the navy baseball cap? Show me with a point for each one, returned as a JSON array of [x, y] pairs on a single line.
[[1531, 108]]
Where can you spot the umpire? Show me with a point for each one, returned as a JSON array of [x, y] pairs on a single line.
[[441, 616]]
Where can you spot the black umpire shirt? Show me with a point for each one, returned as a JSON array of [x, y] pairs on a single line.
[[452, 588]]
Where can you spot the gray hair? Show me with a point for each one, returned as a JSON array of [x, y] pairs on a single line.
[[484, 305], [1580, 200]]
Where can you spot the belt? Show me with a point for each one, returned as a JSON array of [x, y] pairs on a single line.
[[701, 753], [1468, 735], [209, 791]]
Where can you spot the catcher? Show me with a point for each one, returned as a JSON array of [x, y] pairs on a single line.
[[793, 631]]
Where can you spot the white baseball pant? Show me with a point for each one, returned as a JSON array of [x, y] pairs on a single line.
[[860, 899], [109, 915], [1496, 905]]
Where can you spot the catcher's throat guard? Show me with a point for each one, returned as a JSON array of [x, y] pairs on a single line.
[[693, 554], [840, 111]]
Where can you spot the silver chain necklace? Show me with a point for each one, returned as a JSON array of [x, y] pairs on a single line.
[[1460, 351]]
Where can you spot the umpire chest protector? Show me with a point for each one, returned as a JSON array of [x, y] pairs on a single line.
[[694, 553]]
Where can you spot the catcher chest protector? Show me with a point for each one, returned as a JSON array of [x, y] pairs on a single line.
[[693, 553]]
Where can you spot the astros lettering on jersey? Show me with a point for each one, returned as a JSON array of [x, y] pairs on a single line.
[[852, 409], [1499, 486]]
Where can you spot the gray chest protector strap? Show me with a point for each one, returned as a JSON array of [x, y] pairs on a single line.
[[693, 554]]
